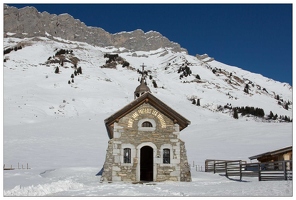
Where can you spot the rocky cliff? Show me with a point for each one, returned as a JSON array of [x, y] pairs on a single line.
[[28, 22]]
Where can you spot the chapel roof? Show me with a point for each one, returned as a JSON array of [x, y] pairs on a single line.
[[153, 101]]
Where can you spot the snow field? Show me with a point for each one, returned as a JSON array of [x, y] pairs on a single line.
[[58, 128]]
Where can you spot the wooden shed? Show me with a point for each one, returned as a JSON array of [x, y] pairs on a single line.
[[276, 155]]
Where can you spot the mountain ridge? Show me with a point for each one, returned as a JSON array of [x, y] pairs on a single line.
[[28, 22]]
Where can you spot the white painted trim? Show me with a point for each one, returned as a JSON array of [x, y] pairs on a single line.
[[152, 121], [133, 154], [166, 146], [153, 146]]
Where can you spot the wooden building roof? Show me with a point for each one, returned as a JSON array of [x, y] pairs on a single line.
[[153, 101], [272, 153]]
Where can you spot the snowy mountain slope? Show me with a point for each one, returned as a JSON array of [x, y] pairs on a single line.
[[51, 124]]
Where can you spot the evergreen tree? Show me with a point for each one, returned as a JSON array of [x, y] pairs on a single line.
[[57, 70], [286, 106], [179, 70], [72, 75], [275, 117], [79, 70], [187, 70], [270, 115], [246, 89], [235, 114], [198, 102], [154, 83]]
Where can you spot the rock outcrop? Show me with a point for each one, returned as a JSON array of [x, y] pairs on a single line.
[[28, 22]]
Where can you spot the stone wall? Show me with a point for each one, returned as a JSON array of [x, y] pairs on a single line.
[[128, 133], [185, 168]]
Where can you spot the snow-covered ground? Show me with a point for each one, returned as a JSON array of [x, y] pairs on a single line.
[[80, 181], [58, 128]]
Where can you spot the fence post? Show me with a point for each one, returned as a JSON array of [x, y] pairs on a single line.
[[285, 170], [214, 167], [226, 169], [240, 171], [259, 172]]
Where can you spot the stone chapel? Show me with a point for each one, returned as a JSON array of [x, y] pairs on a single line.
[[145, 142]]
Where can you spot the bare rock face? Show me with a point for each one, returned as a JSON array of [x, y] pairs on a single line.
[[28, 22]]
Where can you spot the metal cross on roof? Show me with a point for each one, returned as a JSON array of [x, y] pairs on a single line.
[[143, 67], [143, 74]]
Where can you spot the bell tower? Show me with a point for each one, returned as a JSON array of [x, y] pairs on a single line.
[[142, 88]]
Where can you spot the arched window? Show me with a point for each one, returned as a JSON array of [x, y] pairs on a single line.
[[166, 156], [126, 155], [146, 124]]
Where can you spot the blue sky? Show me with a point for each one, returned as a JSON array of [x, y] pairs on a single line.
[[254, 37]]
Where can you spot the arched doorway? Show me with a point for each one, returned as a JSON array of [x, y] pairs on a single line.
[[146, 163]]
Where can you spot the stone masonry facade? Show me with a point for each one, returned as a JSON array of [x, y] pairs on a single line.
[[128, 133]]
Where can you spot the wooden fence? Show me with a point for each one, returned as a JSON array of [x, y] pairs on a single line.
[[278, 170], [18, 167]]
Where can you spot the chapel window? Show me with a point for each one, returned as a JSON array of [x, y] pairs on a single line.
[[146, 124], [166, 156], [126, 155]]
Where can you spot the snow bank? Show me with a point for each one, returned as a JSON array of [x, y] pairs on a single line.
[[203, 185]]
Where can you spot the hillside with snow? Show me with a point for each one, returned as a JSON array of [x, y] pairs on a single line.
[[54, 121]]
